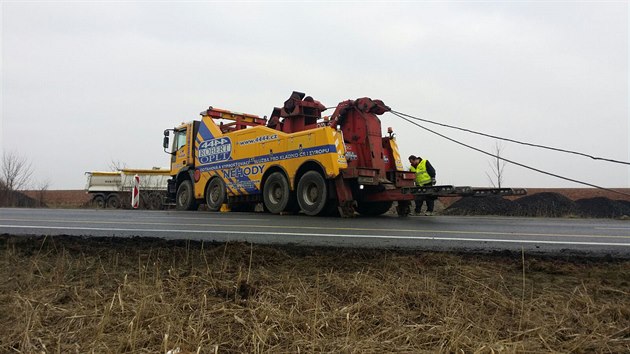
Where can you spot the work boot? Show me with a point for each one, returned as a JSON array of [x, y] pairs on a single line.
[[428, 213]]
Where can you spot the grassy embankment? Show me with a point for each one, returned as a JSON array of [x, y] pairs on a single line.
[[66, 294]]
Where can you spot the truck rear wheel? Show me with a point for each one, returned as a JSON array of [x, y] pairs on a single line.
[[113, 202], [185, 198], [373, 208], [311, 193], [215, 194], [276, 193]]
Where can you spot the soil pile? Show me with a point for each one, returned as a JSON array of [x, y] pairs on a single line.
[[601, 207], [626, 203], [546, 204], [491, 205]]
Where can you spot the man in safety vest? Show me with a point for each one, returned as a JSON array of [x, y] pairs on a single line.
[[425, 176]]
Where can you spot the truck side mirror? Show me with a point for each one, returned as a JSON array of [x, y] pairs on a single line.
[[165, 143]]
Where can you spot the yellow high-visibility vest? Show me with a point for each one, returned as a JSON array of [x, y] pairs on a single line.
[[422, 177]]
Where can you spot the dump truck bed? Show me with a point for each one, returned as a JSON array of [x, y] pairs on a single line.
[[122, 180]]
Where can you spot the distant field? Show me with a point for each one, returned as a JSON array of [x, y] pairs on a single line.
[[61, 198]]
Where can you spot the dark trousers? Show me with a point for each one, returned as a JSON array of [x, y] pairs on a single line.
[[430, 200]]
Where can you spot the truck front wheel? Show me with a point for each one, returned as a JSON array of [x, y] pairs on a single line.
[[215, 194], [99, 201], [185, 198], [113, 202], [311, 193]]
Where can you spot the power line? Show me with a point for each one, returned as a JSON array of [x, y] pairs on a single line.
[[507, 160], [513, 141]]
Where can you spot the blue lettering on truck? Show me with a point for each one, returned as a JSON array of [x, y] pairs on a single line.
[[215, 150], [240, 172]]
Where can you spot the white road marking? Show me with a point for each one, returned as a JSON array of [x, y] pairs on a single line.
[[329, 228], [326, 235]]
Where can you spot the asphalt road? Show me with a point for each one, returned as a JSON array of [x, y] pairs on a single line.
[[599, 237]]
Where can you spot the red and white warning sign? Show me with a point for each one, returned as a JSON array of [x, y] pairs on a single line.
[[135, 194]]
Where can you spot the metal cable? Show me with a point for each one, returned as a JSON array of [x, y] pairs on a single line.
[[400, 115], [511, 140]]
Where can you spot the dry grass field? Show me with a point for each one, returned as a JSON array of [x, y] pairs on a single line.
[[69, 294]]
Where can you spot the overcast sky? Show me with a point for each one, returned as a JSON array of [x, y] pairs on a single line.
[[88, 83]]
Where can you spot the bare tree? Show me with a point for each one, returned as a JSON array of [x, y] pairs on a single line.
[[42, 188], [497, 166], [4, 194], [15, 173]]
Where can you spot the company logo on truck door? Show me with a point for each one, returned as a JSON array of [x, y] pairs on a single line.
[[215, 150]]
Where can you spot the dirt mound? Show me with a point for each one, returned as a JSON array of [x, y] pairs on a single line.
[[601, 207], [491, 205], [546, 204], [626, 203]]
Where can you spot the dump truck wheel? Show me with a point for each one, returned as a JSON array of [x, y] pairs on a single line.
[[113, 202], [373, 208], [311, 193], [185, 199], [154, 201], [99, 202], [215, 194], [276, 193]]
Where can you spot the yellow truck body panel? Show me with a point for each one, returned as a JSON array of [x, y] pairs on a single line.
[[241, 158]]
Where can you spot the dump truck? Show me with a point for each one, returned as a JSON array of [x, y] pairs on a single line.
[[112, 189], [295, 161]]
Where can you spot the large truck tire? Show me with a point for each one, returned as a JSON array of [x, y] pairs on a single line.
[[99, 201], [277, 194], [215, 194], [312, 193], [185, 198], [154, 201], [373, 208], [114, 202]]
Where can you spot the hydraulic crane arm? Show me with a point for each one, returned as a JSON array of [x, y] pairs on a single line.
[[239, 120]]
